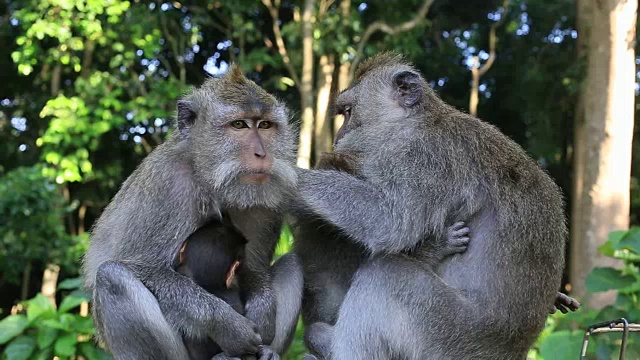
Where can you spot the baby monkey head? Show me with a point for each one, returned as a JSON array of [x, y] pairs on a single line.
[[240, 139]]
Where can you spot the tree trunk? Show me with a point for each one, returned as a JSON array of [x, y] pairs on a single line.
[[343, 82], [583, 19], [50, 282], [322, 133], [475, 85], [344, 70], [603, 155], [26, 277], [306, 87]]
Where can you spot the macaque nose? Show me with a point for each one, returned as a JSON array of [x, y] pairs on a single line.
[[258, 150]]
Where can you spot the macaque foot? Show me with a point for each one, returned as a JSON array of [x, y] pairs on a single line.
[[267, 353]]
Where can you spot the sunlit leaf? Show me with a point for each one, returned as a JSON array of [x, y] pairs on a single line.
[[39, 306], [66, 345]]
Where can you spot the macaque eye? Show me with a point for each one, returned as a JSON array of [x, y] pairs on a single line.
[[265, 125], [238, 124], [346, 112]]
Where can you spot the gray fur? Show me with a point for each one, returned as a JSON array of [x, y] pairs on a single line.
[[288, 283], [146, 325], [424, 165], [181, 185]]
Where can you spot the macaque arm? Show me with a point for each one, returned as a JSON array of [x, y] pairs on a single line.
[[202, 316], [342, 162], [256, 282], [368, 214], [171, 288]]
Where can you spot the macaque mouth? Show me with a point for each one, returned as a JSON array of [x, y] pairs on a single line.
[[256, 177]]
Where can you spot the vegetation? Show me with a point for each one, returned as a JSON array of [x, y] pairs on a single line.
[[89, 89], [44, 331], [563, 336]]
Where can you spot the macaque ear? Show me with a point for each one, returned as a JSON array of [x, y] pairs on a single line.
[[409, 88], [230, 276], [186, 115]]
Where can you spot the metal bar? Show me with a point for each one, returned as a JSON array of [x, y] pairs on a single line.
[[618, 325], [585, 344], [625, 335]]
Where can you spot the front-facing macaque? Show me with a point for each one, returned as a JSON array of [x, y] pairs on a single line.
[[231, 152]]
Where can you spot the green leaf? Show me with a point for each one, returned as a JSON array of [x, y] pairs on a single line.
[[561, 345], [631, 240], [611, 245], [39, 306], [71, 301], [57, 324], [20, 348], [603, 279], [626, 256], [46, 336], [91, 352], [83, 325], [66, 345], [70, 284], [11, 326], [43, 354]]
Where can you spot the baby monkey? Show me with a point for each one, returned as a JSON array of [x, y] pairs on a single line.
[[211, 256]]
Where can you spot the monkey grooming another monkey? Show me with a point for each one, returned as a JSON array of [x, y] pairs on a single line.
[[330, 261], [424, 164], [231, 152]]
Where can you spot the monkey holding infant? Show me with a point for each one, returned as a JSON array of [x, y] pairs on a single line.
[[231, 152]]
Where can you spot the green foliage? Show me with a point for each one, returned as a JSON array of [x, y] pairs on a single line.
[[285, 242], [562, 337], [65, 23], [44, 331], [31, 230], [97, 48]]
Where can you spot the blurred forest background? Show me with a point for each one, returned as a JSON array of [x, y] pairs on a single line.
[[88, 89]]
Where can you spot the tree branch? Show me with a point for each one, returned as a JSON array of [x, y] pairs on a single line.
[[493, 40], [388, 29], [174, 47], [478, 71], [273, 8]]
